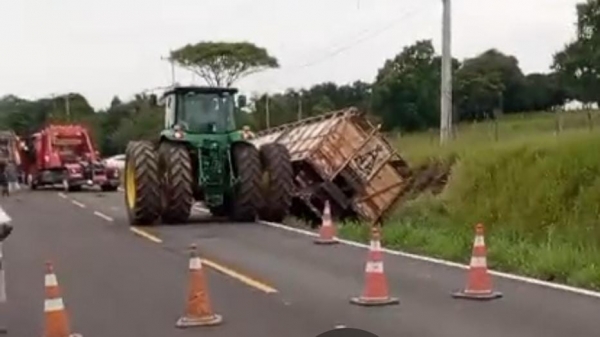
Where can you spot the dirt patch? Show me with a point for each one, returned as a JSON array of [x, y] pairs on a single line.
[[430, 177]]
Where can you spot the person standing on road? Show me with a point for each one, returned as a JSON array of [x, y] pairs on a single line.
[[12, 176]]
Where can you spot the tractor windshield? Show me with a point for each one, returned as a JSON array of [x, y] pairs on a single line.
[[206, 113]]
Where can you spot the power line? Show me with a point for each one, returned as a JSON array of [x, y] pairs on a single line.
[[349, 46], [393, 23]]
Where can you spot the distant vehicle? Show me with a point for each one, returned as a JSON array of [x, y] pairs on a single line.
[[64, 154], [116, 161]]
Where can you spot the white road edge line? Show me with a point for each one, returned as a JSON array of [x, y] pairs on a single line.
[[513, 277], [77, 203], [103, 216]]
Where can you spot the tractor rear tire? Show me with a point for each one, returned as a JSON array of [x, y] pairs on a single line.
[[247, 198], [176, 172], [278, 192], [142, 184]]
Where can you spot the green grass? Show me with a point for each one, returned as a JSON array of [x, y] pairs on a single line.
[[537, 192]]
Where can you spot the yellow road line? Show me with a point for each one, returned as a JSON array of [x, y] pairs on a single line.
[[240, 277], [145, 234], [252, 282]]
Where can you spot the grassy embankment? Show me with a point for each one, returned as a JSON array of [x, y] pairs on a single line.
[[538, 194]]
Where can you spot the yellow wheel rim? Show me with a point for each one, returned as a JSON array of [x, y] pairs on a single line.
[[130, 185]]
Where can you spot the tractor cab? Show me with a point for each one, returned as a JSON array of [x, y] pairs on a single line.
[[200, 110]]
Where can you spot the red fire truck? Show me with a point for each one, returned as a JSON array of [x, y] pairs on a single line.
[[65, 155]]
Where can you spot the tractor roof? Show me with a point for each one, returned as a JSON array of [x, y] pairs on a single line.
[[199, 89]]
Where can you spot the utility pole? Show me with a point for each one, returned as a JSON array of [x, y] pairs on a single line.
[[299, 106], [268, 115], [53, 105], [446, 85], [68, 107], [170, 60]]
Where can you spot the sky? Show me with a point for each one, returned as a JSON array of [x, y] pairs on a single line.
[[115, 47]]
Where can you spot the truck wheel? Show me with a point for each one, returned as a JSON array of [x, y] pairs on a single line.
[[142, 184], [176, 172], [278, 181], [31, 183], [109, 188], [67, 187], [247, 198]]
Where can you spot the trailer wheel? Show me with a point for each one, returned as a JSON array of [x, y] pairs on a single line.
[[142, 184], [278, 182], [246, 198], [176, 171]]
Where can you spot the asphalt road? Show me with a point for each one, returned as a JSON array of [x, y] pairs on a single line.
[[264, 281]]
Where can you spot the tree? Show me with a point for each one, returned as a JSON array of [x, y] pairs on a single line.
[[406, 92], [578, 64], [543, 92], [491, 80], [116, 101], [223, 63]]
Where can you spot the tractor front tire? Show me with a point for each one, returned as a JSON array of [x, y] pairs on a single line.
[[176, 170], [247, 198], [142, 184], [278, 182]]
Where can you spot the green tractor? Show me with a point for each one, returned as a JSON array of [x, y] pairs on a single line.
[[202, 156]]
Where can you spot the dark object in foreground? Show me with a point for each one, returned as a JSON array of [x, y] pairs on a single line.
[[5, 230]]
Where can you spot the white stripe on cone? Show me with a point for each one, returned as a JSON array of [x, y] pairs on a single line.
[[479, 241], [195, 263], [50, 280], [54, 304], [375, 245], [374, 267], [478, 262]]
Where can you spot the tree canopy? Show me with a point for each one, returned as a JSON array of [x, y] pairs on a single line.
[[221, 63], [578, 64]]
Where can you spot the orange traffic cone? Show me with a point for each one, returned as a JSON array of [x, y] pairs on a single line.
[[199, 310], [56, 322], [327, 230], [375, 292], [479, 283]]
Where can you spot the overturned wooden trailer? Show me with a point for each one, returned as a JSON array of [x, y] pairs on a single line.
[[341, 157]]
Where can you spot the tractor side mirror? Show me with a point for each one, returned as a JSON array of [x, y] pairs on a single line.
[[242, 101]]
